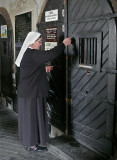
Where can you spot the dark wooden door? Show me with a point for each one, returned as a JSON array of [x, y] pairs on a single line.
[[56, 78], [6, 59], [93, 72]]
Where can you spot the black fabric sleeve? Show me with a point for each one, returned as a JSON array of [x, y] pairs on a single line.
[[40, 57]]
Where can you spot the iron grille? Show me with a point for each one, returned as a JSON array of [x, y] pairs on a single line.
[[88, 51], [90, 45]]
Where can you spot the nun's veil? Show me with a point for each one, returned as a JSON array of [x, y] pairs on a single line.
[[30, 38]]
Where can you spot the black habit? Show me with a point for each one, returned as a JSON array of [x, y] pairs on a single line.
[[32, 94]]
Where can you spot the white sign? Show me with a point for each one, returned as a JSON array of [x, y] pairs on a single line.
[[51, 15], [50, 45]]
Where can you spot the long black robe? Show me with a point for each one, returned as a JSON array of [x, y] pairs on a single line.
[[32, 94]]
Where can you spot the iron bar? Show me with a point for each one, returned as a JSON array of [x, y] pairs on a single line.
[[66, 27], [105, 17]]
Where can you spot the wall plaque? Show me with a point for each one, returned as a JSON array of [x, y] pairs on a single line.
[[50, 45], [51, 37], [51, 34], [51, 15]]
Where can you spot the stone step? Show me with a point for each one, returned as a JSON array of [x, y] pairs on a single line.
[[58, 153], [66, 148]]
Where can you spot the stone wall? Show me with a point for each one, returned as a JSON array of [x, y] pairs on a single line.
[[9, 9], [17, 7]]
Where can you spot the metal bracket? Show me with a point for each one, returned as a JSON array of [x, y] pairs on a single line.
[[68, 100]]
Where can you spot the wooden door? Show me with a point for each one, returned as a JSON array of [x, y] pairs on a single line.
[[5, 58], [56, 78], [93, 72]]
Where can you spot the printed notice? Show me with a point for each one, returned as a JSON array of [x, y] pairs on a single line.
[[50, 45], [51, 15], [51, 34]]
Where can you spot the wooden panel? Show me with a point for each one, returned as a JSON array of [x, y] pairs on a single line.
[[56, 101], [92, 105]]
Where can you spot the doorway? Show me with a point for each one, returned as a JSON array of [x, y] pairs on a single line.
[[93, 73], [5, 58]]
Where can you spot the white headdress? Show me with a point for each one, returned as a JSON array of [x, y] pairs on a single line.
[[30, 38]]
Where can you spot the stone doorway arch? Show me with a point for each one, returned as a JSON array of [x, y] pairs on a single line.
[[5, 14], [6, 55]]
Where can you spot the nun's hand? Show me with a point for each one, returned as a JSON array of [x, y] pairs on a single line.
[[67, 41], [49, 68]]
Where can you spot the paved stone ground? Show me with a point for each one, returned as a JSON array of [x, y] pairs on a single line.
[[60, 148], [10, 147], [71, 150]]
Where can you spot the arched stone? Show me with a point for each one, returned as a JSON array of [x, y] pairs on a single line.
[[9, 58], [5, 14], [41, 12]]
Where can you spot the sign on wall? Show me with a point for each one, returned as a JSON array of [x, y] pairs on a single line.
[[51, 34], [3, 31], [51, 37], [51, 15], [50, 45]]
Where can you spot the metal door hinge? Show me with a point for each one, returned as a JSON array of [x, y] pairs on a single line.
[[68, 100]]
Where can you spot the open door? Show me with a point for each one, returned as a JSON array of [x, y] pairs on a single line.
[[5, 58]]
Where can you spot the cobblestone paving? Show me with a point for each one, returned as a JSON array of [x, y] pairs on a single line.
[[10, 147], [60, 148]]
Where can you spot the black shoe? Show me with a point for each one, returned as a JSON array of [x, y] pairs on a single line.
[[32, 149], [41, 148]]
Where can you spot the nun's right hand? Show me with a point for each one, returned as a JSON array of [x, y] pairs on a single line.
[[67, 41]]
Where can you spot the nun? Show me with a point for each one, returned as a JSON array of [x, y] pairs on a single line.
[[33, 91]]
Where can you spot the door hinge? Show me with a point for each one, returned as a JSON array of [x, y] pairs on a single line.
[[68, 100]]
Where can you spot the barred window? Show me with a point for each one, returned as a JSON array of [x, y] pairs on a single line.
[[90, 50]]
